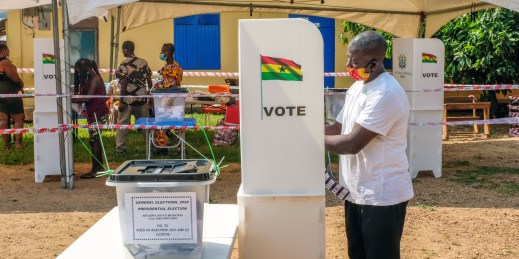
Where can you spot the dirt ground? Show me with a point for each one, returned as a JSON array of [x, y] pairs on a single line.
[[447, 218]]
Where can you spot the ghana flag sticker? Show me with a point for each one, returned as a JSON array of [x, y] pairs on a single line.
[[428, 58], [48, 59], [280, 69]]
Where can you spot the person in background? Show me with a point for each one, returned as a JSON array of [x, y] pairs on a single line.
[[170, 75], [370, 136], [113, 103], [10, 83], [135, 79], [87, 81]]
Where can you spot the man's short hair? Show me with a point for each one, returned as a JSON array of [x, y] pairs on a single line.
[[129, 45], [369, 41], [170, 47], [3, 46]]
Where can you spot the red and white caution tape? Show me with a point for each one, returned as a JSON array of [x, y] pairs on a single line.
[[145, 127], [189, 73], [34, 95], [464, 87], [158, 95], [478, 122], [68, 127]]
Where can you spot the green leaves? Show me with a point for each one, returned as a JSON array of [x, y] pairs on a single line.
[[483, 51], [351, 29]]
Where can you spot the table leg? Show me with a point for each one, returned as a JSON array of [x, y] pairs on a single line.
[[486, 116], [182, 144], [148, 143]]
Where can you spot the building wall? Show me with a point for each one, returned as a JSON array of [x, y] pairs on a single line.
[[148, 40]]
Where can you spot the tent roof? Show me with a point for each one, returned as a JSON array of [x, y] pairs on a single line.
[[399, 17], [8, 5]]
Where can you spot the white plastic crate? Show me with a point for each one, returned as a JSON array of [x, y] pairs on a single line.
[[281, 227], [424, 143]]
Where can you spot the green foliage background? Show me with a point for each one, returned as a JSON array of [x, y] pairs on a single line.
[[480, 48]]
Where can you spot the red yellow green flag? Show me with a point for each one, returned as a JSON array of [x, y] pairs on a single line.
[[49, 59], [280, 69], [428, 58]]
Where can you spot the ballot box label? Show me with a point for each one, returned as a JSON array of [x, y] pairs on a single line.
[[161, 217]]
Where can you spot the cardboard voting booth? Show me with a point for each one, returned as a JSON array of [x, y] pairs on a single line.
[[418, 64], [46, 109], [282, 143]]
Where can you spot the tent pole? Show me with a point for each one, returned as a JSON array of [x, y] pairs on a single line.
[[421, 26], [110, 76], [68, 102], [55, 32], [117, 32]]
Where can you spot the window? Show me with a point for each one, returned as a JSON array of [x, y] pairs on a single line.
[[197, 42], [83, 40]]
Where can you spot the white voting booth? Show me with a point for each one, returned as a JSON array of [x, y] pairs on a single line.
[[418, 64], [281, 199], [46, 145]]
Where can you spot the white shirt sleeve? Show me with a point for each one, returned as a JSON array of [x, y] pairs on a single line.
[[382, 111], [340, 116]]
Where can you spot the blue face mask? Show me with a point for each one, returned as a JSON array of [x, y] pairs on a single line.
[[162, 56]]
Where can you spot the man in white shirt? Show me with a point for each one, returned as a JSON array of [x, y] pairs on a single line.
[[370, 136]]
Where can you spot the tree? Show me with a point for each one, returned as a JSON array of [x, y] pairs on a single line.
[[482, 48], [351, 29]]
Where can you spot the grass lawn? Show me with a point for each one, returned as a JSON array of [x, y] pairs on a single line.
[[136, 146]]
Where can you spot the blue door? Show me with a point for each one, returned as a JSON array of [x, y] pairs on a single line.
[[327, 28]]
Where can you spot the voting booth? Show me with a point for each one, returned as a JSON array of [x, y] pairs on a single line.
[[418, 64], [282, 143], [46, 110]]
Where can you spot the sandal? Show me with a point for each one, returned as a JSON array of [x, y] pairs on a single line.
[[88, 176]]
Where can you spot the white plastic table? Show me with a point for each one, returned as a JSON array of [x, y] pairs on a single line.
[[104, 240]]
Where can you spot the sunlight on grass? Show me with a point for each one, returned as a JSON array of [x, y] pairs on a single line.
[[136, 146], [486, 177]]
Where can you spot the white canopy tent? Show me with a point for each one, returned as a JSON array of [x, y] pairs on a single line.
[[399, 17], [9, 5]]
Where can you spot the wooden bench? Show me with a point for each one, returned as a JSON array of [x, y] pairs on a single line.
[[465, 103]]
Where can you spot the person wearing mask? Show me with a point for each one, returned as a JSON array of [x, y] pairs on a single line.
[[135, 79], [10, 83], [170, 75], [370, 136], [87, 81]]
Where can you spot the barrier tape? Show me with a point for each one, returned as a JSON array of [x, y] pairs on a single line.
[[478, 122], [159, 95], [118, 96], [68, 127], [339, 191], [186, 73], [514, 98]]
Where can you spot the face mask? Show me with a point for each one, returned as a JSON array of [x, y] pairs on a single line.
[[359, 74], [162, 56]]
